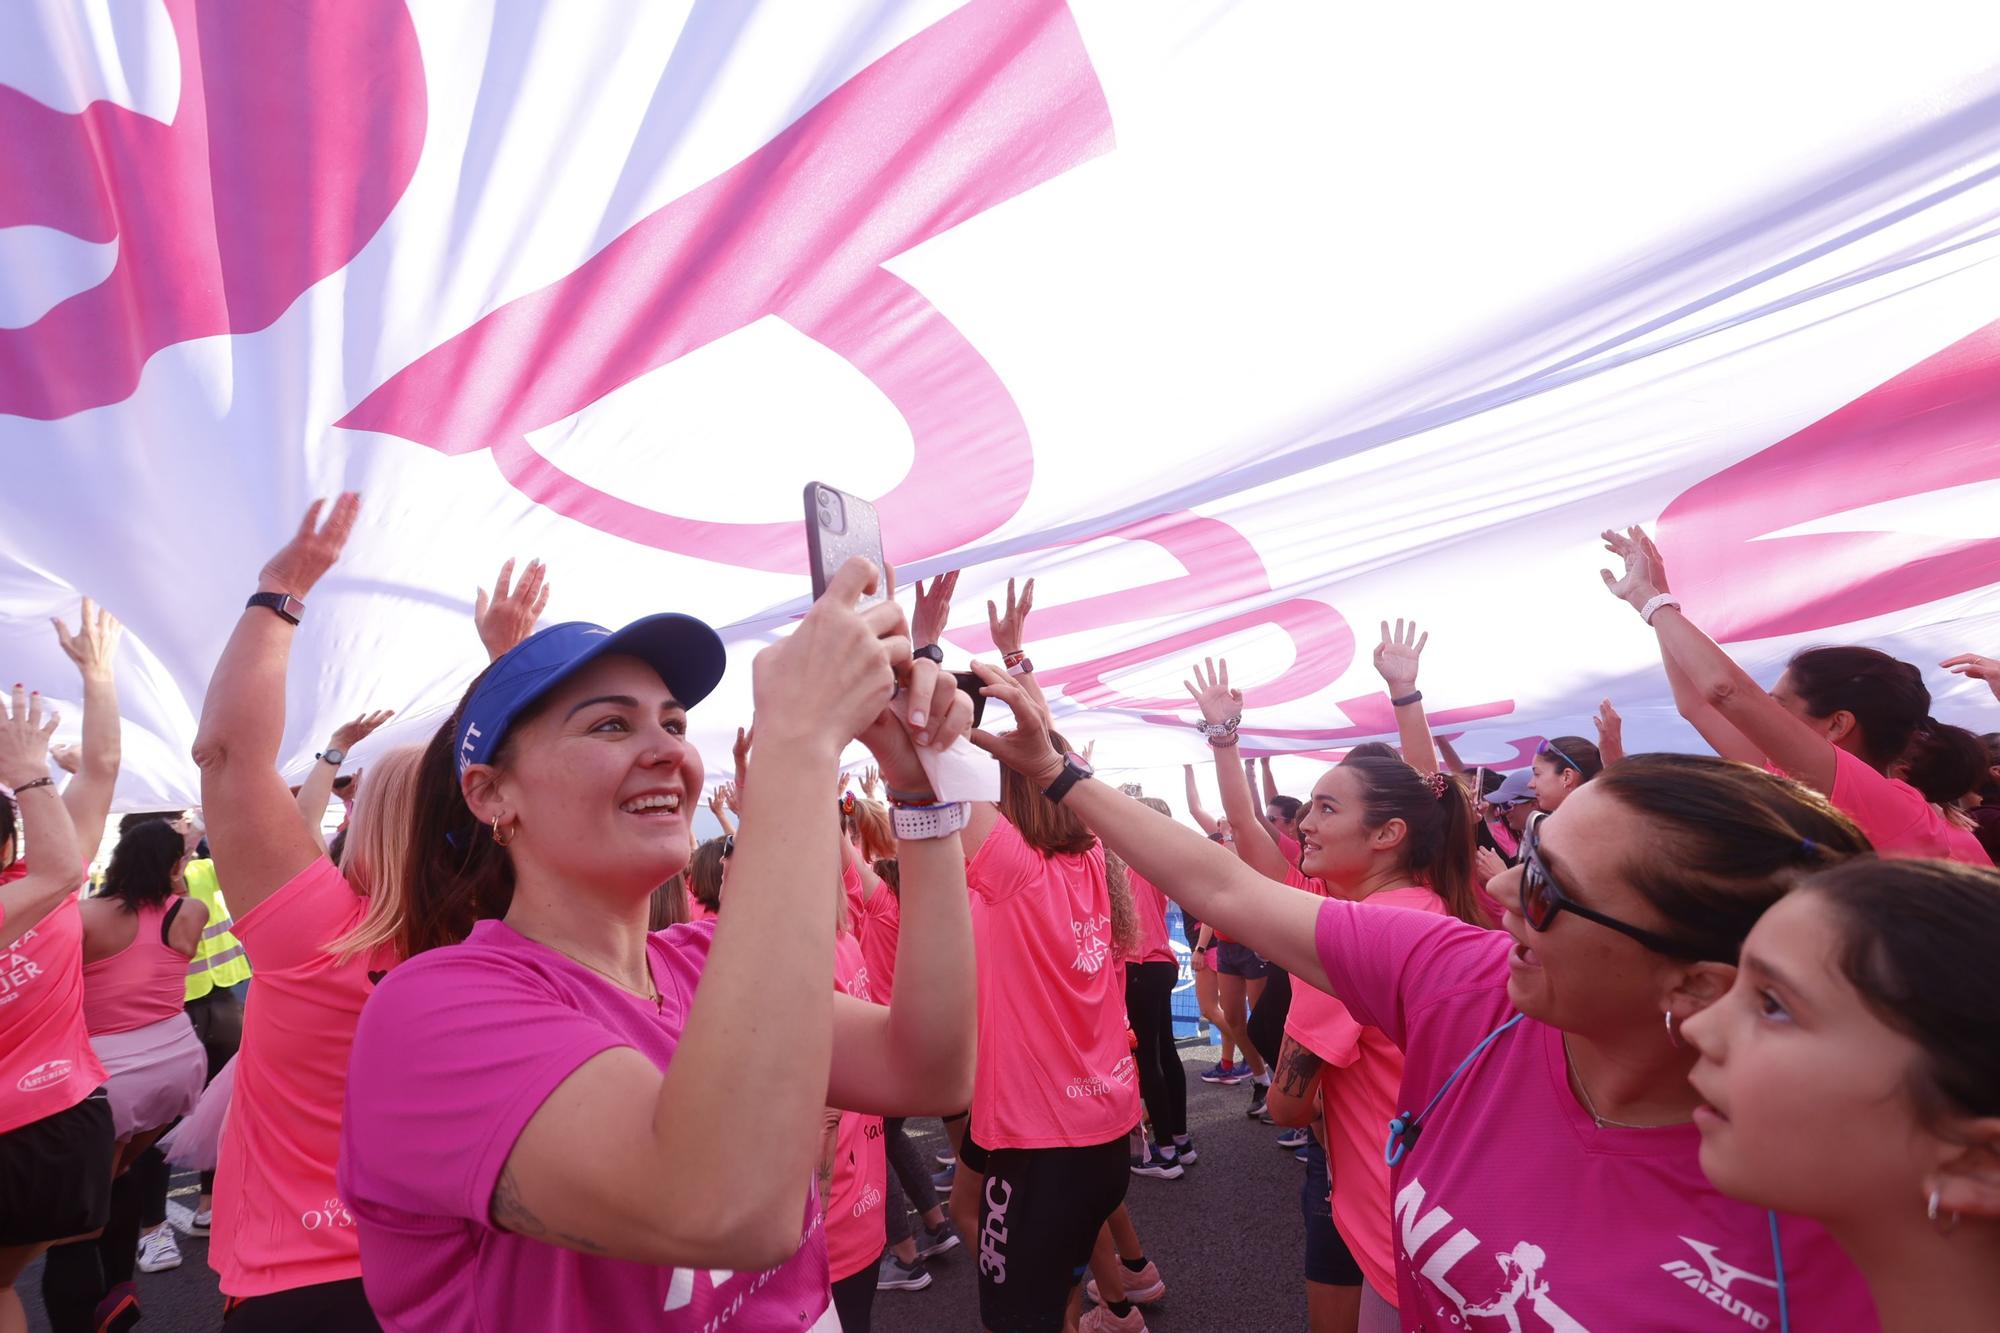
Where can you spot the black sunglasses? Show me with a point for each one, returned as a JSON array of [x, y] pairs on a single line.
[[728, 846], [1543, 900]]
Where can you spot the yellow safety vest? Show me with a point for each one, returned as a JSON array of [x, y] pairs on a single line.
[[219, 961]]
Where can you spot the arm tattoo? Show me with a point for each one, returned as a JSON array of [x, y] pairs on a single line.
[[511, 1213], [1297, 1068]]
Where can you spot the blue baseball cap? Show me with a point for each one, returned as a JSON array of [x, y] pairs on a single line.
[[688, 655], [1514, 789]]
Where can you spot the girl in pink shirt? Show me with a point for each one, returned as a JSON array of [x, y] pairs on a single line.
[[530, 1135], [1861, 1036], [1839, 720], [1556, 1178]]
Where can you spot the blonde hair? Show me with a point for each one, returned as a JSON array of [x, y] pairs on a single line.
[[871, 820], [377, 854]]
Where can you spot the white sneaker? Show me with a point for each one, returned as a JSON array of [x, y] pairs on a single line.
[[158, 1251]]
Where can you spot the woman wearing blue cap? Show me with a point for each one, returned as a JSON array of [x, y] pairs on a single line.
[[547, 1125]]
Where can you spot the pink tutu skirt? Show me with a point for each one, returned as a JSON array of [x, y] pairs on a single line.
[[195, 1143], [154, 1073]]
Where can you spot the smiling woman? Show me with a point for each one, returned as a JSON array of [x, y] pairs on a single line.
[[532, 1096]]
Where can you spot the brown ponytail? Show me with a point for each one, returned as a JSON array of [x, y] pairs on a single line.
[[1437, 849]]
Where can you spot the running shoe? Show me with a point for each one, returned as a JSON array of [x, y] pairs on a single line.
[[1184, 1152], [941, 1182], [1230, 1074], [1158, 1166], [1099, 1319], [947, 1158], [937, 1242], [203, 1219], [119, 1310], [1294, 1139], [157, 1250], [1141, 1288], [894, 1275], [1300, 1154], [1259, 1094]]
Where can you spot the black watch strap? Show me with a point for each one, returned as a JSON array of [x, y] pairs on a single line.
[[283, 604], [930, 650], [1074, 771]]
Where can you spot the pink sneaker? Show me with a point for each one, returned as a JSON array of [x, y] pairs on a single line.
[[1141, 1288], [1098, 1319]]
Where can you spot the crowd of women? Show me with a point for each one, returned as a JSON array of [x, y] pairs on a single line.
[[1663, 1041]]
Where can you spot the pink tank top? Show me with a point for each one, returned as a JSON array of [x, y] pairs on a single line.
[[142, 983]]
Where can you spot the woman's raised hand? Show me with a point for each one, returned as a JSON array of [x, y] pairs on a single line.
[[1010, 628], [1610, 733], [95, 642], [1210, 690], [24, 738], [1397, 655], [927, 622], [313, 549], [1028, 749], [350, 734], [1977, 667], [830, 678], [1645, 575], [509, 615]]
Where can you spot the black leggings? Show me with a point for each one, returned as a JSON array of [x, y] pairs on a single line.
[[77, 1276], [324, 1307], [854, 1300], [1149, 1004], [909, 1183], [1267, 1018]]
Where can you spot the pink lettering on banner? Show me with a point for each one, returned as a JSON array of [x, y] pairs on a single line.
[[1927, 430], [298, 128], [987, 103]]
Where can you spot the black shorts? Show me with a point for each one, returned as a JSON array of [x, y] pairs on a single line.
[[1040, 1210], [55, 1174], [324, 1307], [1240, 960], [1328, 1260]]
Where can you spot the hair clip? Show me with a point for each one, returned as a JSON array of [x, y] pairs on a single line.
[[1438, 783], [847, 803]]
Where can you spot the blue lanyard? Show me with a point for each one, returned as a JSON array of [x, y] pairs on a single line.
[[1405, 1128]]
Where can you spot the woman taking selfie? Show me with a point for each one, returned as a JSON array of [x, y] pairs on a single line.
[[1556, 1173], [530, 1138], [1863, 1030]]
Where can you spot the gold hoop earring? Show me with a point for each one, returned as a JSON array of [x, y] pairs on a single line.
[[499, 841]]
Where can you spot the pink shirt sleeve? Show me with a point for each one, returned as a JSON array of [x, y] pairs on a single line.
[[293, 926], [1388, 963], [1003, 865], [457, 1051]]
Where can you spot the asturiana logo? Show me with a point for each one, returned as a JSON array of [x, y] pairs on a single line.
[[46, 1075]]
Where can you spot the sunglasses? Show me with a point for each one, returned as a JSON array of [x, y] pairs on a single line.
[[1550, 748], [728, 846], [1543, 899]]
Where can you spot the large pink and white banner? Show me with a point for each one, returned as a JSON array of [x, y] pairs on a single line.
[[1240, 326]]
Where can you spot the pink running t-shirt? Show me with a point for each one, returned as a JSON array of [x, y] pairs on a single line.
[[279, 1221], [1515, 1210], [1358, 1087], [1151, 905], [46, 1064], [1054, 1067], [456, 1053], [856, 1216], [1896, 817], [878, 923]]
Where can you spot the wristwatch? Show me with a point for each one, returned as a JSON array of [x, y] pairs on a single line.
[[287, 607], [912, 823], [1074, 771], [334, 755]]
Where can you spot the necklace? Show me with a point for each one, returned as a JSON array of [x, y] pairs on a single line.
[[1577, 1076], [651, 992]]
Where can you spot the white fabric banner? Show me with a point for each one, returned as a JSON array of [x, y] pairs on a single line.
[[1242, 327]]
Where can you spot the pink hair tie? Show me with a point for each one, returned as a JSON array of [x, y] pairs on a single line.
[[1438, 783]]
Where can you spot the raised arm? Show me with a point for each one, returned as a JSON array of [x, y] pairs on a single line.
[[92, 648], [317, 789], [509, 615], [1610, 734], [1270, 784], [1010, 630], [1203, 820], [56, 870], [1690, 699], [1396, 658], [1452, 763], [1978, 668], [720, 800], [253, 821], [1222, 892], [1222, 708], [1762, 727]]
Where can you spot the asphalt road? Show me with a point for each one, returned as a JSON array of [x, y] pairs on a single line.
[[1226, 1237]]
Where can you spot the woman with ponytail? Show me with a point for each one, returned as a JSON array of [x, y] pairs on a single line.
[[1376, 832], [1838, 719], [1544, 1166]]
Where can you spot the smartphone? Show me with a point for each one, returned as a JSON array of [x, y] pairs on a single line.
[[839, 525]]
